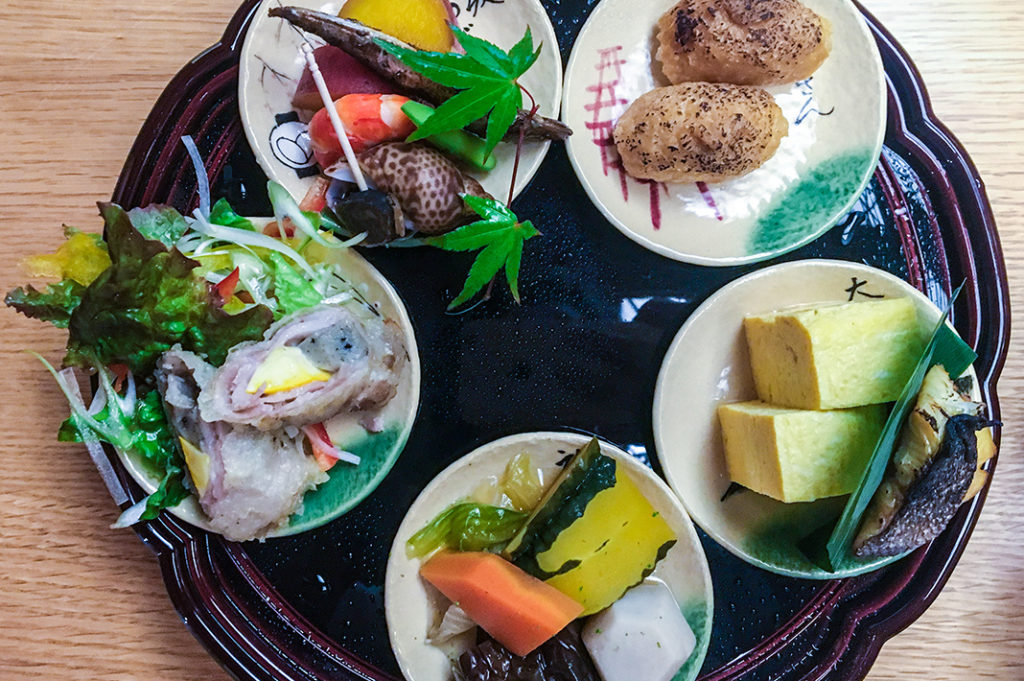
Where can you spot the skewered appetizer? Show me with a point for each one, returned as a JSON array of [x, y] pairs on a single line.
[[421, 104]]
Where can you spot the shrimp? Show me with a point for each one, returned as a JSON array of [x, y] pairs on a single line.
[[368, 120]]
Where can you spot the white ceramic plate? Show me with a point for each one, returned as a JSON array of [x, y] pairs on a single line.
[[347, 485], [271, 64], [836, 126], [412, 606], [708, 364]]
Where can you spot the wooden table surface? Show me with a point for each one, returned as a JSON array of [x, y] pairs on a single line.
[[78, 600]]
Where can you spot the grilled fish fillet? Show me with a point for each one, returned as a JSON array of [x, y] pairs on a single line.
[[929, 473]]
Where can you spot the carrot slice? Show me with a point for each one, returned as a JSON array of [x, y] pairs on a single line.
[[517, 609]]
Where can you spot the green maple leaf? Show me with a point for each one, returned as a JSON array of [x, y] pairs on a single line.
[[486, 75], [499, 234]]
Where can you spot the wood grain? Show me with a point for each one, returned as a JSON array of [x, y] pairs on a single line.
[[78, 600]]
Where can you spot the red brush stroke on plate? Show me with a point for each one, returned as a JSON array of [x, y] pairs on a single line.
[[605, 105]]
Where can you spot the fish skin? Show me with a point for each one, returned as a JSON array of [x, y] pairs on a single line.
[[933, 499], [358, 40]]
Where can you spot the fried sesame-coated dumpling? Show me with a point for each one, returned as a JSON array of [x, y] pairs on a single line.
[[748, 42], [699, 132]]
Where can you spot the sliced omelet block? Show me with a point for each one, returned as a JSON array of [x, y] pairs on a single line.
[[835, 356], [798, 455]]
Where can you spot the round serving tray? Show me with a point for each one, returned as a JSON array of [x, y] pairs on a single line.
[[582, 352]]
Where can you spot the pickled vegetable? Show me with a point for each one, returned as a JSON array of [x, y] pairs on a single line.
[[521, 483], [594, 534], [466, 527], [518, 610]]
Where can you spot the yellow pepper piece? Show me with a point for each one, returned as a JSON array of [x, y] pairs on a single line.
[[284, 368], [198, 463], [79, 258]]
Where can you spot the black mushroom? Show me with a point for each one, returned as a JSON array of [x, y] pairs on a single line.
[[372, 211], [561, 658]]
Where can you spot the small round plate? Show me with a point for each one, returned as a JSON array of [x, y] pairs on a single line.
[[836, 126], [271, 64], [346, 485], [707, 365], [412, 607]]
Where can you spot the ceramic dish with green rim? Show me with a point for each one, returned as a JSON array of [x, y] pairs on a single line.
[[271, 63], [347, 484], [708, 365], [836, 126], [413, 607]]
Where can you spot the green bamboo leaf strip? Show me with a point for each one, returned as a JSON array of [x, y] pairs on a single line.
[[944, 347]]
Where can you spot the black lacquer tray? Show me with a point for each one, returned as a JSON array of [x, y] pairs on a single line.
[[582, 352]]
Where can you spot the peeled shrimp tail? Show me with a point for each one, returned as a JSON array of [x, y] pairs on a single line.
[[358, 40]]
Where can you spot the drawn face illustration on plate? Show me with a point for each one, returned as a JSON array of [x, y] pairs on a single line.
[[290, 144]]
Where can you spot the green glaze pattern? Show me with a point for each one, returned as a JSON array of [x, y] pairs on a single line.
[[823, 196], [778, 542], [348, 485], [698, 616]]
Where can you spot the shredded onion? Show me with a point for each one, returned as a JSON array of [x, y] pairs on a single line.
[[131, 515], [324, 445], [246, 238], [285, 207], [69, 386], [202, 180]]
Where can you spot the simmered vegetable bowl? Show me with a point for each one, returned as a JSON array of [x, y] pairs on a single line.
[[554, 551], [253, 385]]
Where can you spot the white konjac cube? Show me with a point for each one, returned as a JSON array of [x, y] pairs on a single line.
[[643, 630]]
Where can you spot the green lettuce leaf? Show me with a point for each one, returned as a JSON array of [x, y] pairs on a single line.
[[467, 527], [138, 428], [159, 223], [223, 214], [149, 300], [291, 289], [54, 304]]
